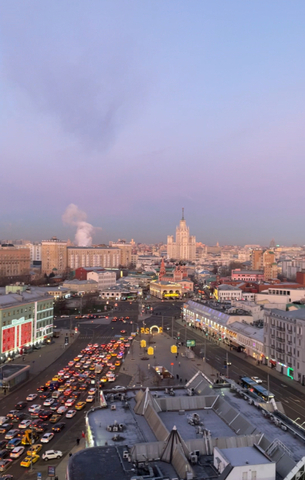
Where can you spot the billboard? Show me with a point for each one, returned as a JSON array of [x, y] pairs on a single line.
[[191, 343]]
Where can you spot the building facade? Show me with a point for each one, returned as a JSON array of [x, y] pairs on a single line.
[[53, 256], [225, 293], [26, 318], [284, 339], [247, 275], [104, 279], [184, 248], [163, 289], [125, 252], [106, 257], [14, 262]]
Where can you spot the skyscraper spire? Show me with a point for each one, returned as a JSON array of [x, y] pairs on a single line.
[[182, 213]]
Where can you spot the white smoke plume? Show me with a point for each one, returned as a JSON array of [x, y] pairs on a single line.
[[76, 217]]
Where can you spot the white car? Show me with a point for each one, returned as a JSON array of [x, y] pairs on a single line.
[[48, 402], [11, 434], [47, 437], [112, 378], [257, 379], [70, 402], [25, 424], [119, 387], [70, 413], [62, 410], [16, 452], [90, 399], [50, 454], [34, 407], [31, 397]]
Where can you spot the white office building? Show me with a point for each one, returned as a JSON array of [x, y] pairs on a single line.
[[104, 279]]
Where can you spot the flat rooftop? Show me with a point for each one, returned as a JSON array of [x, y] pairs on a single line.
[[244, 456]]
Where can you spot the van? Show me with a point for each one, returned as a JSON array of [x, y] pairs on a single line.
[[3, 420]]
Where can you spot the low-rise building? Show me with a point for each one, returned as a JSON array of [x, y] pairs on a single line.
[[81, 286], [224, 293], [164, 289], [26, 318], [105, 279], [247, 275]]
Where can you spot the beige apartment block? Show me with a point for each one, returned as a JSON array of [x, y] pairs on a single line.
[[125, 252], [106, 257], [14, 262], [53, 256]]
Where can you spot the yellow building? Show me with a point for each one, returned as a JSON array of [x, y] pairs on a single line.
[[163, 289], [53, 256]]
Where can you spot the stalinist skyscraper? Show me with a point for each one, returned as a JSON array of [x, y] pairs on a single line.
[[184, 248]]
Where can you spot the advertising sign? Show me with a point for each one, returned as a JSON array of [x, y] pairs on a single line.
[[191, 343], [51, 471]]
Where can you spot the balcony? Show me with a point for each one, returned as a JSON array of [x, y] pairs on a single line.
[[280, 329], [280, 349], [272, 335], [279, 339]]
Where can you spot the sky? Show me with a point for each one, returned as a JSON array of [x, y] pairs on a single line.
[[131, 110]]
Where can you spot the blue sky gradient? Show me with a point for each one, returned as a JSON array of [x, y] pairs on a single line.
[[134, 109]]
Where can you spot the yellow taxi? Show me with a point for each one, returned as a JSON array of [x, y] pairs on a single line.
[[104, 379], [117, 363], [34, 449], [26, 462], [92, 367], [114, 354], [80, 405], [55, 378]]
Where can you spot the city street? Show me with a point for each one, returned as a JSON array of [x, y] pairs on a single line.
[[166, 314]]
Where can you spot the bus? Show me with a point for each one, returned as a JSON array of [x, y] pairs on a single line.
[[257, 389]]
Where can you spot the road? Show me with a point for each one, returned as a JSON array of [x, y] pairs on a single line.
[[66, 439]]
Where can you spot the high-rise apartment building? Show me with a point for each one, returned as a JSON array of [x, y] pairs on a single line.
[[184, 248], [257, 259], [14, 262], [53, 256], [106, 257]]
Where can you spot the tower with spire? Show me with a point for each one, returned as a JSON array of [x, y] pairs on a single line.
[[184, 248]]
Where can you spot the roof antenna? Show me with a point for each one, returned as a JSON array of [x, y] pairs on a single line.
[[182, 213]]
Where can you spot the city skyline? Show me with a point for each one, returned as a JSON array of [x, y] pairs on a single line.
[[133, 111]]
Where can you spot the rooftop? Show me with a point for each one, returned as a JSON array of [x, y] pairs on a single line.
[[244, 456]]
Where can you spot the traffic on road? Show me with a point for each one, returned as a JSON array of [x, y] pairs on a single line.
[[28, 430]]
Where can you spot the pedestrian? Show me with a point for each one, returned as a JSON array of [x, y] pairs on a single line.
[[77, 441], [179, 364], [83, 434]]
